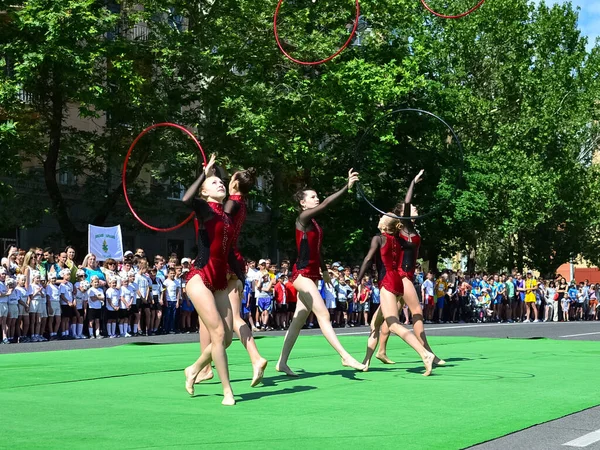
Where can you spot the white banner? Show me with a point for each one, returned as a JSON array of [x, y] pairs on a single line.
[[105, 242]]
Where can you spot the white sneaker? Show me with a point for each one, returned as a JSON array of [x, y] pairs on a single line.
[[81, 336], [112, 336], [127, 335], [537, 321], [526, 321]]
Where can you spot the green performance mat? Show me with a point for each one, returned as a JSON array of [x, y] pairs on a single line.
[[132, 396]]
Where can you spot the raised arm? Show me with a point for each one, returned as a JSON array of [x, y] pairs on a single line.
[[201, 207], [308, 214], [375, 244], [409, 194]]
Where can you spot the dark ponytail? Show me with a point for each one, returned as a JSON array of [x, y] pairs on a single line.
[[246, 180]]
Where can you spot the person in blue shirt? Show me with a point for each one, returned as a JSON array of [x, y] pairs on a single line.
[[572, 294]]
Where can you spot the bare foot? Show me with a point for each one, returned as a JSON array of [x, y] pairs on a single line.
[[428, 361], [351, 362], [280, 367], [439, 362], [228, 400], [204, 375], [384, 358], [189, 380], [259, 371], [367, 363]]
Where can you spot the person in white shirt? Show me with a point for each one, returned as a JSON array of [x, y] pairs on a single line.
[[81, 304], [54, 312], [142, 280], [134, 311], [172, 297], [23, 301], [158, 294], [252, 277], [113, 300], [37, 301], [95, 302], [13, 308], [67, 303], [4, 293], [127, 298], [427, 289]]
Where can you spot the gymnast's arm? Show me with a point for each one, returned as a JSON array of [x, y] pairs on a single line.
[[200, 206], [409, 194], [375, 244], [231, 207], [308, 214]]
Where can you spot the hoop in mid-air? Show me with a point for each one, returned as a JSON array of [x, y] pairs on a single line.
[[124, 177], [459, 170], [457, 16], [329, 58]]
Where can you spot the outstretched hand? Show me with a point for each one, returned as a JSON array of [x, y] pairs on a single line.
[[209, 168], [419, 176], [352, 178]]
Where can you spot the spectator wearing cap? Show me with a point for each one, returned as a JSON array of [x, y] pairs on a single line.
[[67, 303], [53, 302]]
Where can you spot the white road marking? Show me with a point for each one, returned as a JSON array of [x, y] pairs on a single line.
[[582, 334], [585, 440]]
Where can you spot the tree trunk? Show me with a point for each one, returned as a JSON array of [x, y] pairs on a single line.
[[68, 229], [520, 252]]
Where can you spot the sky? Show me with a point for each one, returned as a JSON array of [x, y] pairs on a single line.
[[589, 17]]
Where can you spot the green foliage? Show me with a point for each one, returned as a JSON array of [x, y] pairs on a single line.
[[514, 80]]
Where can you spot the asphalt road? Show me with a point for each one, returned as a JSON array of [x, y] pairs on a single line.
[[579, 430]]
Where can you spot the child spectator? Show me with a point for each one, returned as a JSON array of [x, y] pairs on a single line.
[[13, 308], [81, 301], [264, 299], [113, 300], [157, 290], [292, 299], [126, 300], [280, 296], [23, 300], [36, 302], [172, 297], [54, 313], [66, 303], [345, 295], [143, 281], [133, 321], [364, 300], [95, 303], [427, 294]]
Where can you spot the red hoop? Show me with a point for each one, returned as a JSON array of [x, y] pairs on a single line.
[[124, 178], [314, 63], [444, 16]]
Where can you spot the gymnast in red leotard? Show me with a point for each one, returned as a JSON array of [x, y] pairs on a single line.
[[387, 250], [207, 281], [307, 271], [410, 242], [235, 207]]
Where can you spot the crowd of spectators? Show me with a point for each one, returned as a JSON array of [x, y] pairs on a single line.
[[47, 296]]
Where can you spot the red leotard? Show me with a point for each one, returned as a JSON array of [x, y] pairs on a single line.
[[308, 244], [216, 237], [409, 254], [238, 220], [388, 264]]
